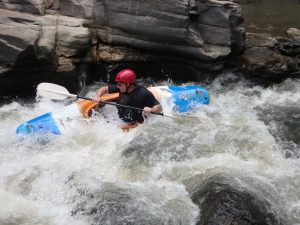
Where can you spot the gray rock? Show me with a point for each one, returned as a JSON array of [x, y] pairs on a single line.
[[200, 30], [18, 35], [223, 200], [294, 33], [237, 34], [46, 43], [192, 28], [52, 4], [260, 40], [77, 8], [72, 38], [266, 63], [290, 46], [30, 6], [215, 35], [46, 35], [290, 49], [219, 14]]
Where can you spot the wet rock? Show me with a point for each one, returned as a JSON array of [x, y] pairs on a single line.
[[17, 39], [260, 40], [264, 62], [223, 201], [204, 34], [274, 58], [198, 33], [49, 36], [77, 8], [72, 39], [52, 6], [200, 30], [291, 46], [30, 6], [30, 47], [294, 33]]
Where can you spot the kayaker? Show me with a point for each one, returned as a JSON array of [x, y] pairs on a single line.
[[131, 94]]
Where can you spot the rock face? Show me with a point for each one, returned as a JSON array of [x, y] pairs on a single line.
[[43, 39], [204, 30], [47, 36], [271, 57], [30, 6]]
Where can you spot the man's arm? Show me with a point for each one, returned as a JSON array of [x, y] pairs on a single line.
[[152, 101], [101, 91], [157, 108]]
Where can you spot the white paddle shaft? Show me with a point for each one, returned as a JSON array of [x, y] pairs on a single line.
[[61, 93]]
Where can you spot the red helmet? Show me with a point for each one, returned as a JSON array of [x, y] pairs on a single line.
[[126, 76]]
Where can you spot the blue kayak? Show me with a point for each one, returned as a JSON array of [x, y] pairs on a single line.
[[174, 99]]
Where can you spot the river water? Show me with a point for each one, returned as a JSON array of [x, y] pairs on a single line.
[[97, 174], [271, 16]]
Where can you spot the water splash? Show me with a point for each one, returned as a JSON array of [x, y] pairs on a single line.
[[93, 169]]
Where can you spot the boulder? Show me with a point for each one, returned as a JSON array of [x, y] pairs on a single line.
[[72, 39], [223, 200], [200, 30], [291, 45], [273, 58], [191, 29], [30, 46], [294, 34], [18, 38], [77, 8], [52, 4], [260, 40], [29, 6], [45, 37], [290, 48], [264, 62], [40, 37]]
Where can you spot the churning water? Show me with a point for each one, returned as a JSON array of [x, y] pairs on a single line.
[[97, 174]]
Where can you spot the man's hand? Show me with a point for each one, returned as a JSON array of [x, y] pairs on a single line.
[[147, 111], [96, 98], [103, 90], [155, 109]]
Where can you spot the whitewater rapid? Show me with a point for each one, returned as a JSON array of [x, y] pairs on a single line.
[[247, 133]]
